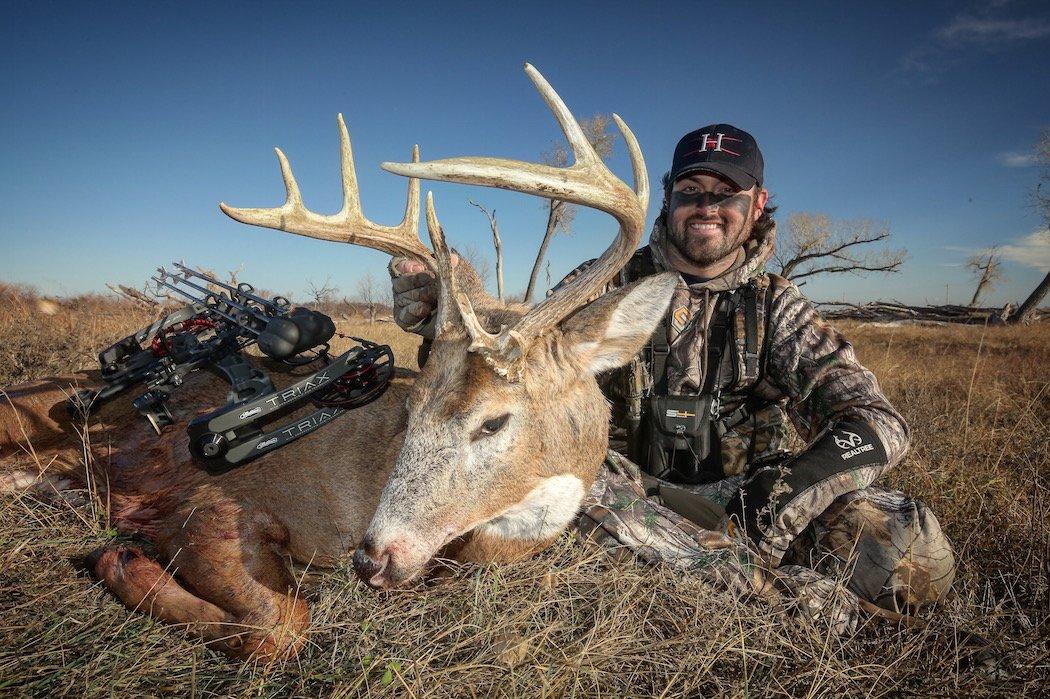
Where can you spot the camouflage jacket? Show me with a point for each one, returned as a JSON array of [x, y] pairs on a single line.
[[807, 375]]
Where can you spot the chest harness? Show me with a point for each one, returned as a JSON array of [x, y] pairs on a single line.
[[678, 437]]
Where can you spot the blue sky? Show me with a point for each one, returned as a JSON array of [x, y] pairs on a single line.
[[123, 125]]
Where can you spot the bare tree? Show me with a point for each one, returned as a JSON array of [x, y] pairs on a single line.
[[234, 273], [323, 295], [478, 260], [1041, 201], [372, 296], [368, 296], [347, 309], [987, 267], [559, 213], [1041, 193], [1025, 310], [497, 242], [817, 244]]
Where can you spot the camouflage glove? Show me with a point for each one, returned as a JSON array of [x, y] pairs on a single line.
[[751, 509], [777, 502], [415, 296]]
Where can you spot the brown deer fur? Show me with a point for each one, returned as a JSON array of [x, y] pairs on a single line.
[[409, 474]]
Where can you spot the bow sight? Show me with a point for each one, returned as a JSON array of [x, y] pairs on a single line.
[[220, 321]]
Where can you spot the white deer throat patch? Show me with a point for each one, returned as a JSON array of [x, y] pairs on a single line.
[[545, 511]]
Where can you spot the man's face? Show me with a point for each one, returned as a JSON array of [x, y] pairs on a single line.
[[709, 218]]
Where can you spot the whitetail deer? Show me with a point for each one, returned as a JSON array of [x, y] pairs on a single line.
[[485, 455]]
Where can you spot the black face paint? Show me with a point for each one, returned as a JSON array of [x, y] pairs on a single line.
[[708, 249], [699, 199], [739, 202]]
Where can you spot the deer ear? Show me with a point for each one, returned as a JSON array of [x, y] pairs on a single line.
[[606, 333]]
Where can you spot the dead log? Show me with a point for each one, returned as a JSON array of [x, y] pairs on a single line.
[[889, 311]]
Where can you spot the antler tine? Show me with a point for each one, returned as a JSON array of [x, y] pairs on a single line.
[[587, 182], [454, 308], [348, 225], [593, 279], [638, 171], [443, 268]]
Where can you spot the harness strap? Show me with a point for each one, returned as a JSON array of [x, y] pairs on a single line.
[[717, 335], [659, 348], [744, 313], [738, 417], [751, 322]]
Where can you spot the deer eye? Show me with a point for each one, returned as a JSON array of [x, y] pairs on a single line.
[[491, 426]]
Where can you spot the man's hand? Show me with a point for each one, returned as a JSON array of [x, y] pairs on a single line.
[[415, 295], [751, 508], [779, 500]]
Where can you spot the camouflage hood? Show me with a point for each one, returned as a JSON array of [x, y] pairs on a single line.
[[692, 306]]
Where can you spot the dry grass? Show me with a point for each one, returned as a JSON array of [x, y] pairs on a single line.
[[574, 622]]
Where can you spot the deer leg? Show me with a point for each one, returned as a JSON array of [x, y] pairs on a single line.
[[143, 585], [243, 600], [231, 558]]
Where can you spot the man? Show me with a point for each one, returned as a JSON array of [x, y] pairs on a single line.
[[705, 410]]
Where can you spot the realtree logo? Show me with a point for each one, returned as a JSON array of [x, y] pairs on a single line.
[[851, 442]]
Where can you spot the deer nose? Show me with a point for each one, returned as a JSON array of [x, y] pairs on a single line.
[[368, 567]]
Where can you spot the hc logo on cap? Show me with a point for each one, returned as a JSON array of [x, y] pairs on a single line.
[[706, 140], [721, 149]]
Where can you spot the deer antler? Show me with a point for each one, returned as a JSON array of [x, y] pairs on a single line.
[[587, 182], [349, 225]]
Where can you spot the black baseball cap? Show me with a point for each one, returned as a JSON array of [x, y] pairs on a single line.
[[721, 149]]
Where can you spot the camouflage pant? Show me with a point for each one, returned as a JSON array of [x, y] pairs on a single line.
[[888, 548]]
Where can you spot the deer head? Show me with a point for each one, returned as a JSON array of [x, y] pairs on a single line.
[[506, 425]]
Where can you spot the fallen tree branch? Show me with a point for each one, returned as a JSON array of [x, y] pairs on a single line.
[[886, 311]]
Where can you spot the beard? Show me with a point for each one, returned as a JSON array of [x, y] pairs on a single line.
[[708, 249]]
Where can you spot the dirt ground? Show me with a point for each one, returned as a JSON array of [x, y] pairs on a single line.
[[575, 622]]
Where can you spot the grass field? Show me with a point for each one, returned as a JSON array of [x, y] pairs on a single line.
[[575, 622]]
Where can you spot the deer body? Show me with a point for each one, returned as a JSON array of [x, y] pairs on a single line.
[[153, 482], [485, 455], [315, 499], [322, 491]]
